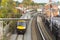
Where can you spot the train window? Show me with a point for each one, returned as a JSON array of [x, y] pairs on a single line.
[[21, 23]]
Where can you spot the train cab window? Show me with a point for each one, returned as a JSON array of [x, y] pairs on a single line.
[[21, 23]]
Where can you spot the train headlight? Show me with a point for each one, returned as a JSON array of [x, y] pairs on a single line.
[[21, 27], [24, 27]]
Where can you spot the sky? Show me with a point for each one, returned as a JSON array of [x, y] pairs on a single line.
[[43, 1], [40, 1]]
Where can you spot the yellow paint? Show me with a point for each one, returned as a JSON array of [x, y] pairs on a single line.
[[21, 21], [20, 27]]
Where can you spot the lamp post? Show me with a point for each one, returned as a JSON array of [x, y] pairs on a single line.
[[50, 1]]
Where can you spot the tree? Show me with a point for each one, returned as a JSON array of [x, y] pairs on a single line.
[[0, 2], [32, 3], [27, 2], [58, 2], [8, 7]]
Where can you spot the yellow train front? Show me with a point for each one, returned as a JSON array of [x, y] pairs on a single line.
[[21, 26]]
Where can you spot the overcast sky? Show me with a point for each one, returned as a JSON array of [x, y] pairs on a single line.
[[40, 1]]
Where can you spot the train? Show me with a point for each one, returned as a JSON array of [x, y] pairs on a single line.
[[21, 26]]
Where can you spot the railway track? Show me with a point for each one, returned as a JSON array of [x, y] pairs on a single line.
[[44, 32], [16, 37], [26, 36], [35, 31], [20, 37]]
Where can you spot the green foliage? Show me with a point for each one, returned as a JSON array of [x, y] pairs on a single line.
[[29, 2], [58, 2], [8, 9], [32, 3], [26, 2], [0, 2], [42, 4]]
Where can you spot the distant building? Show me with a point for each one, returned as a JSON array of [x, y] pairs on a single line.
[[51, 9]]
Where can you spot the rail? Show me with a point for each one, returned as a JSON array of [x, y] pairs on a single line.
[[40, 31], [44, 31], [16, 37]]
